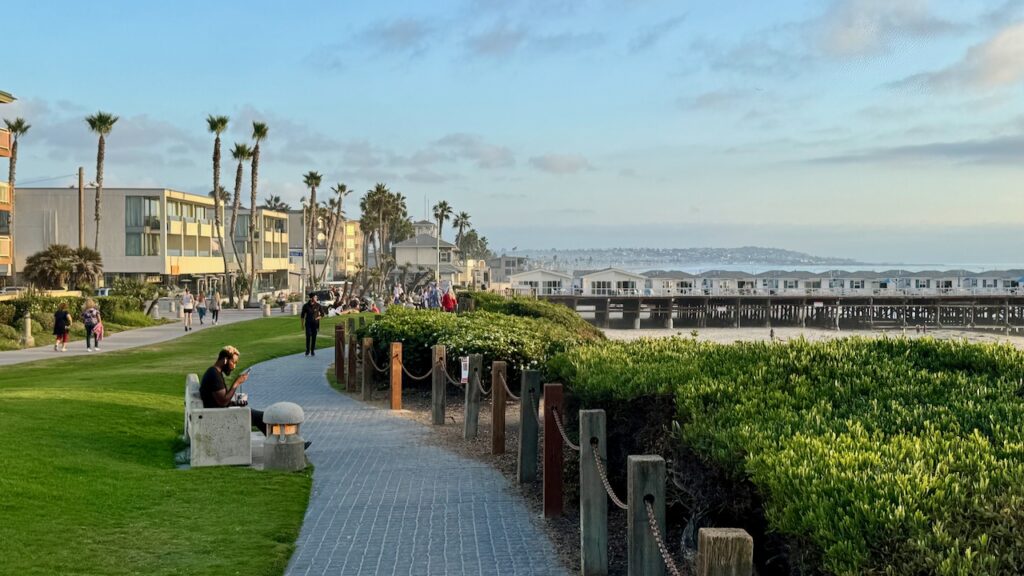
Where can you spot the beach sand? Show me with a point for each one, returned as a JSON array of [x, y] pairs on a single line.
[[730, 335]]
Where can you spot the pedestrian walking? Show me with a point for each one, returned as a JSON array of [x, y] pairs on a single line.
[[188, 303], [448, 301], [61, 328], [214, 306], [91, 317], [310, 319], [201, 307]]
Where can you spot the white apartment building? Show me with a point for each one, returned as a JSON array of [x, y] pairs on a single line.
[[272, 238]]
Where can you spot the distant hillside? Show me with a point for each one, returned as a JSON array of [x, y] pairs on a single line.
[[655, 257]]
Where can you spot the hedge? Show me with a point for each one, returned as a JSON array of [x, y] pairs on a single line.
[[117, 309], [534, 308]]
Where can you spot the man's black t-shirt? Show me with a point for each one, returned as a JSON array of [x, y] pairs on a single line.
[[311, 315], [212, 381]]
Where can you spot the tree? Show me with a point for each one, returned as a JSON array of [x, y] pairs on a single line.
[[217, 125], [59, 266], [101, 123], [259, 134], [460, 223], [333, 213], [442, 212], [18, 128], [241, 153], [223, 197], [385, 220], [475, 246], [312, 180], [86, 267], [275, 203]]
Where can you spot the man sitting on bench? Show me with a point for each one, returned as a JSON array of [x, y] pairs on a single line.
[[214, 391]]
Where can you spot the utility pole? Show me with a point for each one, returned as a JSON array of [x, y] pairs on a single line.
[[81, 207]]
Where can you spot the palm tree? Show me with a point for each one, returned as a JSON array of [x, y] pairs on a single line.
[[460, 223], [312, 180], [241, 153], [18, 127], [259, 134], [50, 268], [275, 203], [334, 215], [86, 267], [101, 123], [217, 125], [442, 212]]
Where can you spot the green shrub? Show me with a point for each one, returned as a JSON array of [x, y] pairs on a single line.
[[34, 304], [533, 308], [7, 314], [887, 456], [132, 318], [9, 332]]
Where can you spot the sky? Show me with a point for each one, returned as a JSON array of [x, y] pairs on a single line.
[[880, 130]]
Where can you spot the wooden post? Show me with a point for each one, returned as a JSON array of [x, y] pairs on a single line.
[[362, 321], [593, 500], [552, 451], [368, 368], [645, 481], [471, 421], [396, 375], [339, 354], [529, 389], [352, 353], [438, 386], [499, 374], [724, 552]]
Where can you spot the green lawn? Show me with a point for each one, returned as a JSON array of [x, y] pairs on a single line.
[[87, 477]]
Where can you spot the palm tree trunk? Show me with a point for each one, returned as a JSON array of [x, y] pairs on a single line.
[[218, 220], [252, 221], [101, 150], [314, 220], [11, 173]]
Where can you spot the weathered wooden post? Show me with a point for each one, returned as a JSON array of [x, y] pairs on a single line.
[[368, 368], [396, 375], [593, 500], [529, 398], [724, 552], [438, 393], [645, 483], [27, 341], [339, 354], [499, 373], [471, 421], [362, 321], [352, 352], [552, 451]]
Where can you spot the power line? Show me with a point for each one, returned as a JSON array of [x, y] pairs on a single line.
[[38, 180]]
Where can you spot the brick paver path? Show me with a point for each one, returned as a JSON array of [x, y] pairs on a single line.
[[385, 501]]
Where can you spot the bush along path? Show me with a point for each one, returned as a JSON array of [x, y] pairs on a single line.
[[387, 501]]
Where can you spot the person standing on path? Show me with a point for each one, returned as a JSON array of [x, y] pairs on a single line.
[[188, 302], [310, 319], [448, 301], [91, 317], [201, 306], [214, 306], [61, 327]]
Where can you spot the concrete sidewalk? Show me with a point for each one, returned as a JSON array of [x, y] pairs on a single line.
[[386, 500], [131, 338]]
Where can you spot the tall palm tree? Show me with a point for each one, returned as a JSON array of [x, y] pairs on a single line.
[[101, 123], [86, 267], [460, 223], [442, 212], [241, 153], [50, 268], [223, 197], [312, 180], [17, 127], [334, 216], [217, 125], [275, 203], [259, 134]]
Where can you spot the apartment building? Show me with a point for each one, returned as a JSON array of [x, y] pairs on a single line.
[[6, 201], [272, 239], [348, 249], [155, 235]]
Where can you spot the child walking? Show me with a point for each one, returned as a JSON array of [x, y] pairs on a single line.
[[61, 327]]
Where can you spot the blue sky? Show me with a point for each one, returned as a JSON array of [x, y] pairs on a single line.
[[882, 130]]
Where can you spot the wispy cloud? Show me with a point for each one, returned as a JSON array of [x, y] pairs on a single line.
[[995, 63], [560, 163], [504, 39], [854, 28], [403, 35], [999, 150], [475, 149], [650, 36]]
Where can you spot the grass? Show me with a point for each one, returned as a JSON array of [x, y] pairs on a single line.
[[88, 483], [45, 336]]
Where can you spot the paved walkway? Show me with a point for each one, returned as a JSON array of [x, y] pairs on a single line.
[[385, 501], [131, 338]]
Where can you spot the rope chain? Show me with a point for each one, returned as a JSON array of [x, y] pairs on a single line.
[[665, 556], [604, 480], [533, 411], [369, 354], [561, 430], [480, 385], [506, 384], [409, 374], [444, 371]]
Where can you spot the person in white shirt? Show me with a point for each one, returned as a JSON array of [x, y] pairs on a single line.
[[188, 304]]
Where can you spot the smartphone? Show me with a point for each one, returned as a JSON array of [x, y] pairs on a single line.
[[247, 370]]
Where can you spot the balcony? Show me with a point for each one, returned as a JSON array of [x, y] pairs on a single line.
[[5, 144]]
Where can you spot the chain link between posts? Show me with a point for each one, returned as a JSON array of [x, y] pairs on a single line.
[[410, 375], [504, 383], [604, 478], [480, 385], [665, 556], [368, 354], [441, 362], [561, 430]]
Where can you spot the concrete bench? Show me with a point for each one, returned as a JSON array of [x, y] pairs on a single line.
[[216, 436]]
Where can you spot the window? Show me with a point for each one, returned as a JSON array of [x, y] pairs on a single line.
[[835, 283], [5, 222], [601, 287], [5, 193], [856, 284], [789, 284], [242, 226], [446, 256], [922, 283]]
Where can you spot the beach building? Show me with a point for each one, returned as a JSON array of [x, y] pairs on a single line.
[[674, 283], [6, 202], [541, 282], [272, 248], [422, 251], [427, 227], [348, 249], [612, 282], [504, 266], [155, 235]]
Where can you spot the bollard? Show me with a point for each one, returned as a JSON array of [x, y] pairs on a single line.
[[181, 313], [266, 310], [339, 354], [154, 312], [295, 308], [724, 552], [499, 373], [593, 500], [27, 341], [437, 386], [396, 375], [351, 375], [645, 481], [552, 451], [367, 369], [529, 398], [471, 422]]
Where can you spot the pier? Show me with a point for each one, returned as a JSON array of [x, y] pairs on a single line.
[[829, 312]]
